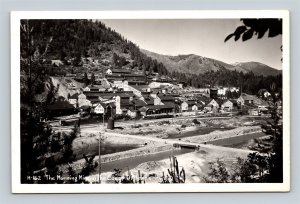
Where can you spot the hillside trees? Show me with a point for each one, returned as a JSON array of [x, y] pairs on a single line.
[[86, 79], [35, 43], [248, 82], [73, 39], [274, 27], [119, 61], [92, 79], [82, 38], [265, 168]]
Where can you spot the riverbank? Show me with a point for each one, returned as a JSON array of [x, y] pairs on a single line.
[[189, 127], [196, 165], [217, 135]]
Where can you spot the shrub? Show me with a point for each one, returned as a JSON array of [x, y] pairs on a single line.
[[196, 122]]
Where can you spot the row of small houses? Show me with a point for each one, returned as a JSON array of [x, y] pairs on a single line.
[[127, 103]]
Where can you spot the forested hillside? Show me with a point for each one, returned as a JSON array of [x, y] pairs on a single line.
[[74, 41], [248, 82], [195, 64]]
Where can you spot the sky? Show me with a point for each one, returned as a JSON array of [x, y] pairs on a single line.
[[204, 37]]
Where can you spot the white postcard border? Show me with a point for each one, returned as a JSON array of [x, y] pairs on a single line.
[[17, 187]]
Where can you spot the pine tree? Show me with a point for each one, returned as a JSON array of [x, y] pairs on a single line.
[[86, 79], [92, 79]]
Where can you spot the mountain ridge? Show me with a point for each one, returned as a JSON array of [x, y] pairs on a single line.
[[195, 64]]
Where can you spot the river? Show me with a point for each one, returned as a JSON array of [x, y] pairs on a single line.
[[130, 163]]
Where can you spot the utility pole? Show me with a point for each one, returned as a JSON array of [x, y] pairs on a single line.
[[103, 116], [99, 170], [135, 114], [103, 119]]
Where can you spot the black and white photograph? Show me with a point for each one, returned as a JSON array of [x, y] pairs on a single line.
[[132, 101]]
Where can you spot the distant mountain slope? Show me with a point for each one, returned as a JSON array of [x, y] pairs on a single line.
[[257, 68], [194, 64]]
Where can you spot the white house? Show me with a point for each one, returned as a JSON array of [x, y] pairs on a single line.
[[214, 103], [246, 99], [212, 106], [86, 89], [109, 72], [194, 107], [83, 101], [227, 105], [99, 109], [184, 106]]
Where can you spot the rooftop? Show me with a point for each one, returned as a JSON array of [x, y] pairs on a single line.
[[120, 71], [166, 97], [248, 97]]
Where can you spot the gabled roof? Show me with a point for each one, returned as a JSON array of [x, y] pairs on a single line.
[[124, 94], [113, 105], [219, 101], [206, 100], [137, 88], [108, 94], [140, 88], [199, 105], [143, 109], [169, 104], [103, 85], [166, 97], [159, 107], [191, 102], [102, 104], [138, 103], [248, 97], [261, 102], [149, 101], [120, 71], [249, 106], [234, 101]]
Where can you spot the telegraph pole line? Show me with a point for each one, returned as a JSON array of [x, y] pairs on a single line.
[[99, 169]]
